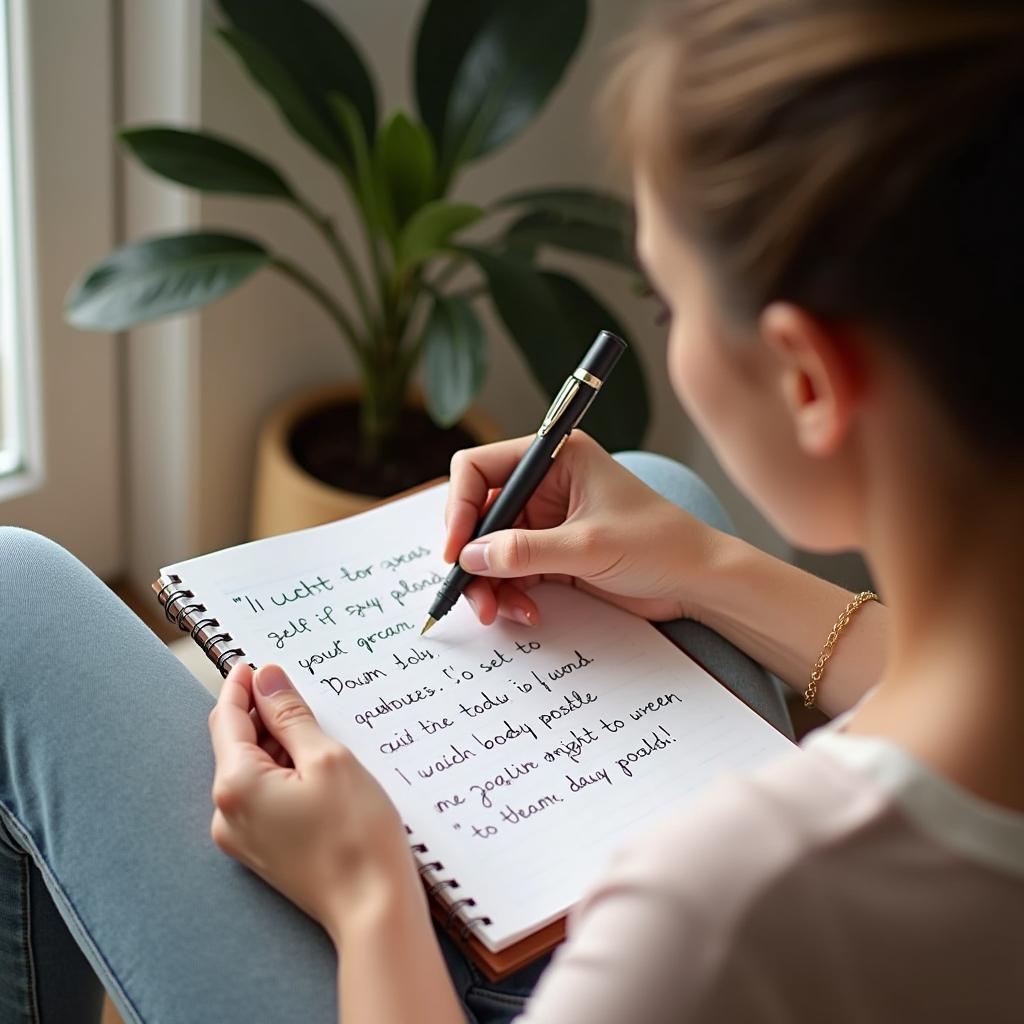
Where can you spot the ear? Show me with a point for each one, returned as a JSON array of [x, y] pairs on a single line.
[[820, 375]]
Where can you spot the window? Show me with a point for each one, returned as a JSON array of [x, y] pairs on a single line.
[[14, 338], [59, 392]]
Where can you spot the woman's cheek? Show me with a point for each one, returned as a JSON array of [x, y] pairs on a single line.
[[724, 399], [699, 378], [677, 359], [729, 393]]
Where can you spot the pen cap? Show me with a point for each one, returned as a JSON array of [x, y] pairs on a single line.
[[602, 356]]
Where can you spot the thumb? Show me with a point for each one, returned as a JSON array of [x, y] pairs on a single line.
[[511, 553], [286, 715]]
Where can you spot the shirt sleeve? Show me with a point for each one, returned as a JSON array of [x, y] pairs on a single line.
[[655, 937], [798, 886], [634, 953]]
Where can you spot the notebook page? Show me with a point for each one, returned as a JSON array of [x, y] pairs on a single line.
[[522, 757]]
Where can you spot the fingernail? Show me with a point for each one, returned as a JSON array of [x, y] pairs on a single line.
[[271, 679], [472, 603], [474, 557], [522, 616]]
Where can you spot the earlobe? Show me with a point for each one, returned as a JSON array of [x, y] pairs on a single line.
[[816, 430], [812, 423], [818, 375]]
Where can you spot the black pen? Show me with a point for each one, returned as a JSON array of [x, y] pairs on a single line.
[[571, 402]]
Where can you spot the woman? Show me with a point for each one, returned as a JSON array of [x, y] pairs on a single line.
[[827, 198]]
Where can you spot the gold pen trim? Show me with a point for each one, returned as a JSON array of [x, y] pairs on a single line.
[[565, 395], [588, 378], [558, 447]]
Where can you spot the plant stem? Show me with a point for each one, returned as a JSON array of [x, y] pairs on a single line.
[[363, 204], [325, 299], [385, 383], [384, 375], [344, 255]]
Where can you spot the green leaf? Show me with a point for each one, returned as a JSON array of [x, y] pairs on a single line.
[[161, 276], [406, 165], [454, 359], [431, 229], [317, 55], [446, 32], [485, 69], [204, 161], [619, 418], [540, 228], [347, 118], [553, 319], [590, 206], [529, 310], [306, 119]]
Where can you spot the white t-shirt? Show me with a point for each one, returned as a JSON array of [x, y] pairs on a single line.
[[845, 882]]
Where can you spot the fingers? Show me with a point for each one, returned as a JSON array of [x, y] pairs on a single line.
[[230, 724], [287, 716], [474, 472], [520, 552], [491, 599], [514, 604], [277, 753], [481, 598]]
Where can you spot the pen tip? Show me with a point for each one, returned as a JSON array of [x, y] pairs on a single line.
[[431, 621]]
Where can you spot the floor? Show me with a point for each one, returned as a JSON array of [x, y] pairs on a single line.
[[803, 719]]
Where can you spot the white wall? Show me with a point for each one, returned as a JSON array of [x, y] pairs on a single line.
[[268, 339], [160, 82]]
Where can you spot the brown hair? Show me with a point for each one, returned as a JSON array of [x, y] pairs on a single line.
[[862, 158]]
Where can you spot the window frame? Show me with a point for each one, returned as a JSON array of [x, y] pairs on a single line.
[[64, 79], [19, 328]]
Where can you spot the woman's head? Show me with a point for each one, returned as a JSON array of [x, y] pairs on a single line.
[[837, 181]]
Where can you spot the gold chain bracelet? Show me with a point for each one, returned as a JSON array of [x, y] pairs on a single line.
[[826, 652]]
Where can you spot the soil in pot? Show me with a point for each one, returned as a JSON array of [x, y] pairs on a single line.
[[326, 445]]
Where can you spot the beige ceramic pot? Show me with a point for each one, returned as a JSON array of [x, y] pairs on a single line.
[[286, 497]]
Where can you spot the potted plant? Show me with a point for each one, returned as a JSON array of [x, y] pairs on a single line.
[[482, 72]]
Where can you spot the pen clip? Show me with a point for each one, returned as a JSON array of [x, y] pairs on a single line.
[[565, 395]]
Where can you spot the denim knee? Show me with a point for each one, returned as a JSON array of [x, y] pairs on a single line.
[[40, 582], [21, 549], [679, 484]]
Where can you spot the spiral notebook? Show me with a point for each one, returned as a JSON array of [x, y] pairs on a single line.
[[520, 758]]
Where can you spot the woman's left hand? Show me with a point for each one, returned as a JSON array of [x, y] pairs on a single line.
[[298, 808]]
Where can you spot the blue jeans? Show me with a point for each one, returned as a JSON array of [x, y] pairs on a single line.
[[107, 872]]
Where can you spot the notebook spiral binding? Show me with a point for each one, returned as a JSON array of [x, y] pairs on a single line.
[[428, 872], [208, 633]]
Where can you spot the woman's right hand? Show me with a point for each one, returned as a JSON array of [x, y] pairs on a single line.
[[591, 523]]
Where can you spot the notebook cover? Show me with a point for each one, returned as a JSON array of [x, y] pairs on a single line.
[[498, 966]]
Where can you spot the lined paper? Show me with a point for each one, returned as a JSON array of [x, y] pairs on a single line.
[[522, 757]]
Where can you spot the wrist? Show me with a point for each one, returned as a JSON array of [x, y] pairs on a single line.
[[707, 566], [727, 586], [382, 905]]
